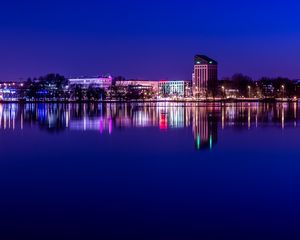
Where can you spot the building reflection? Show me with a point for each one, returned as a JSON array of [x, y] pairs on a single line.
[[205, 127], [204, 120]]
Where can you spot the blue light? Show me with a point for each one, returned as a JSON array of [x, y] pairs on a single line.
[[198, 141]]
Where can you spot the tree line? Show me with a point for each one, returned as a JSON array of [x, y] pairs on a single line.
[[56, 86], [263, 87]]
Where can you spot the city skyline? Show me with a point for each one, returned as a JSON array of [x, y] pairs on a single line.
[[132, 78], [132, 119], [124, 38]]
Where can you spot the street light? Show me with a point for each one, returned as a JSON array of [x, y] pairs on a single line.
[[283, 87], [223, 89], [249, 88]]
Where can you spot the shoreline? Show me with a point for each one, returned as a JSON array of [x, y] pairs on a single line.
[[160, 101]]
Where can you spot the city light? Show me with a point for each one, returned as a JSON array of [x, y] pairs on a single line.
[[205, 85], [198, 142]]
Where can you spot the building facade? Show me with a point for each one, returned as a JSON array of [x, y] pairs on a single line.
[[178, 88], [10, 90], [205, 76], [141, 83], [99, 82]]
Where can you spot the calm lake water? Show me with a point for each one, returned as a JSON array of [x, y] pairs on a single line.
[[150, 171]]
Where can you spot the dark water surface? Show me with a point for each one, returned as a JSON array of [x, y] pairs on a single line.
[[156, 171]]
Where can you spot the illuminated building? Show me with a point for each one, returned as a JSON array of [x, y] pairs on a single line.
[[175, 88], [146, 84], [9, 90], [268, 89], [205, 76], [99, 82]]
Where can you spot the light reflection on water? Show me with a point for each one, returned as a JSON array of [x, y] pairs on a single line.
[[133, 171], [204, 120]]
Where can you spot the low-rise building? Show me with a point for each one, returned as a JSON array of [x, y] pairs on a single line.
[[140, 83], [267, 89], [177, 88], [99, 82], [10, 90]]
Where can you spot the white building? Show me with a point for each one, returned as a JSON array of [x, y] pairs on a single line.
[[143, 83], [175, 88], [100, 82]]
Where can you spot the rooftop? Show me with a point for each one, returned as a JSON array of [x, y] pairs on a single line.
[[202, 59]]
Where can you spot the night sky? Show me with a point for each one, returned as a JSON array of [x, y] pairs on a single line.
[[148, 39]]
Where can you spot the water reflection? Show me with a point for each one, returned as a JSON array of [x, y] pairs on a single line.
[[204, 120]]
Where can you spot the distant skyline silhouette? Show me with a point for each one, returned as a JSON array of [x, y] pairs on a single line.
[[148, 39]]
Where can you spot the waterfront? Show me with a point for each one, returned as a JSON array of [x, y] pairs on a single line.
[[150, 171]]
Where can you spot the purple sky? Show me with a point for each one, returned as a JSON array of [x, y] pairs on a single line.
[[148, 39]]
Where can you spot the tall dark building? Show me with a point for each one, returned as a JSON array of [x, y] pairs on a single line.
[[205, 76]]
